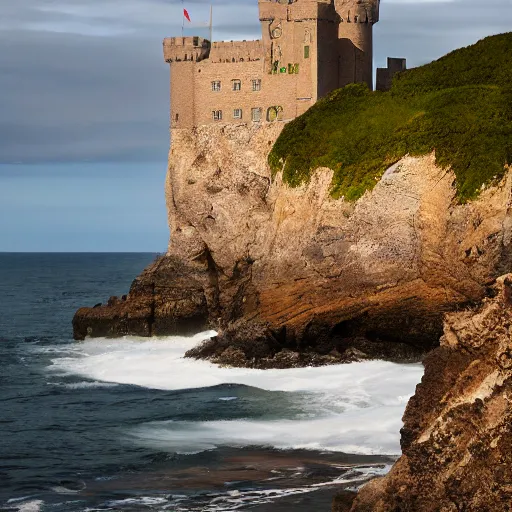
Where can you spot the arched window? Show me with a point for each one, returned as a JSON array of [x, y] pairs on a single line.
[[274, 113]]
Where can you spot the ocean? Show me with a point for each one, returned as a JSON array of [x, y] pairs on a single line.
[[130, 425]]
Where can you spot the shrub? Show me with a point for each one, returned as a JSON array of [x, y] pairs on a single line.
[[460, 106]]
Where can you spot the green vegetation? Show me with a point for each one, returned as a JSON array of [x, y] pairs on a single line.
[[460, 106]]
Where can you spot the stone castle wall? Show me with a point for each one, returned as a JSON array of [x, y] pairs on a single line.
[[236, 51], [385, 75], [307, 50]]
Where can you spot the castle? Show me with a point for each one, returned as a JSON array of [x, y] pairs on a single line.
[[308, 49]]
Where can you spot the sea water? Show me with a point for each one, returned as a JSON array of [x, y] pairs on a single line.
[[130, 424]]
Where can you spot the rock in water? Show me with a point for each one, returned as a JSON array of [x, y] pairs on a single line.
[[457, 435]]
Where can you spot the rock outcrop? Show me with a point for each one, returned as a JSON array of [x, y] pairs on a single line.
[[275, 268], [457, 435]]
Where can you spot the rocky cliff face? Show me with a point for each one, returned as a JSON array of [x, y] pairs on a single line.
[[276, 269], [457, 435]]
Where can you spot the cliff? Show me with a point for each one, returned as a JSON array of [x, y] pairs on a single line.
[[344, 234], [457, 435], [273, 267]]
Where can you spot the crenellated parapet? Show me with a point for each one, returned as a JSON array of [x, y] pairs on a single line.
[[358, 11], [236, 51], [177, 49], [385, 75], [302, 10]]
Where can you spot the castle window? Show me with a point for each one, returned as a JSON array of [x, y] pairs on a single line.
[[237, 113], [256, 114], [217, 115], [306, 52], [256, 85], [236, 85], [216, 85], [274, 113], [177, 117]]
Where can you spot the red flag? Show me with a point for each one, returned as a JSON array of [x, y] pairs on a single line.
[[185, 13]]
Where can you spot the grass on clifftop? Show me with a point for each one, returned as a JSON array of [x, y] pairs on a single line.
[[460, 106]]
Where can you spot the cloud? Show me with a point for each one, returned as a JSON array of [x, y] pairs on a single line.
[[85, 80]]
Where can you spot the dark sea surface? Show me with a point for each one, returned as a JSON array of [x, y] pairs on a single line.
[[128, 424]]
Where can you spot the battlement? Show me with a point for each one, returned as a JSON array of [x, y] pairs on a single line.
[[236, 51], [358, 11], [385, 75], [193, 48], [299, 10]]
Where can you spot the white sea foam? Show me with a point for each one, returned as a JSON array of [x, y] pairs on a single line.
[[354, 408], [369, 431], [87, 384], [30, 506]]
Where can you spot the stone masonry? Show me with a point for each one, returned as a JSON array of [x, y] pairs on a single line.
[[308, 49], [385, 75]]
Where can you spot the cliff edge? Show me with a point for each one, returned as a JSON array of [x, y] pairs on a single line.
[[457, 435], [273, 267]]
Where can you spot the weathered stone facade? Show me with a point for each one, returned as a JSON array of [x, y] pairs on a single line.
[[308, 48]]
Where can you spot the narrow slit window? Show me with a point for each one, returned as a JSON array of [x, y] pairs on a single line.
[[256, 85], [306, 52], [236, 85], [217, 115], [237, 113], [216, 86]]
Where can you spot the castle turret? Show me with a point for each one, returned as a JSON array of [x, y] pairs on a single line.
[[355, 33], [178, 49]]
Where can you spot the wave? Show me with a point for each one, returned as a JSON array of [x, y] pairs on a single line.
[[353, 408], [26, 506], [84, 384], [368, 431]]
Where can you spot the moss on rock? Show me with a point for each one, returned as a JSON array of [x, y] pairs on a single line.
[[459, 106]]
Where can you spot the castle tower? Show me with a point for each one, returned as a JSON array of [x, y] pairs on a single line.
[[302, 34], [182, 53], [355, 33]]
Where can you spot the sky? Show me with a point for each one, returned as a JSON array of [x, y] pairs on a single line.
[[84, 99]]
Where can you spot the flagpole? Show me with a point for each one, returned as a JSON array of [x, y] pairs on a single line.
[[182, 18], [211, 30]]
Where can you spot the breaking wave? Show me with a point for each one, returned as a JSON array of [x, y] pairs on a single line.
[[354, 408]]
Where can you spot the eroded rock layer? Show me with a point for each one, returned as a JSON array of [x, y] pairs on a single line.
[[274, 268], [457, 435]]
